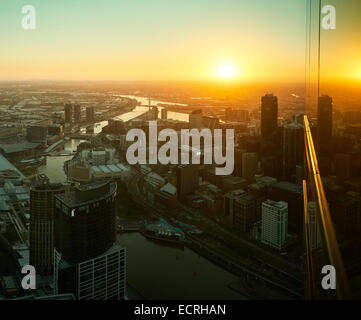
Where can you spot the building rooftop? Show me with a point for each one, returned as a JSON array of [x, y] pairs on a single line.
[[6, 165], [87, 193], [288, 186], [169, 188], [246, 197], [279, 204], [18, 147]]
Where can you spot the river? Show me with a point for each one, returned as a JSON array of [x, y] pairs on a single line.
[[171, 115], [155, 270], [159, 271]]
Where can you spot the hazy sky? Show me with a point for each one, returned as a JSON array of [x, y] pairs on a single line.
[[154, 39], [341, 48]]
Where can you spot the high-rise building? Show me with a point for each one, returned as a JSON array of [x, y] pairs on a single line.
[[315, 225], [274, 223], [187, 179], [271, 166], [293, 149], [42, 224], [163, 113], [85, 221], [229, 201], [68, 113], [210, 122], [324, 120], [154, 113], [88, 263], [342, 165], [236, 114], [346, 212], [100, 278], [269, 114], [89, 113], [195, 119], [293, 195], [247, 210], [249, 165], [77, 113], [238, 161]]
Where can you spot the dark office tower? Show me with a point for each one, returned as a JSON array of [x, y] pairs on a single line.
[[269, 112], [195, 119], [249, 165], [85, 221], [345, 211], [68, 111], [324, 119], [236, 114], [89, 113], [238, 162], [293, 195], [42, 224], [77, 113], [87, 261], [246, 211], [293, 149], [163, 114], [271, 167], [342, 166], [187, 179]]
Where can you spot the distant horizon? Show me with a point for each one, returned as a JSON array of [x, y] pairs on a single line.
[[235, 41]]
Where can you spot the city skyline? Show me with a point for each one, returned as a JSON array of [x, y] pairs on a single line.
[[180, 150]]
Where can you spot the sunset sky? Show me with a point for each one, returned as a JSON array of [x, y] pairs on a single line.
[[258, 40]]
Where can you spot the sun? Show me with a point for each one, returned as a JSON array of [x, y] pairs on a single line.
[[226, 71]]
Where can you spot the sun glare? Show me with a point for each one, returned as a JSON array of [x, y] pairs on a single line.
[[226, 71]]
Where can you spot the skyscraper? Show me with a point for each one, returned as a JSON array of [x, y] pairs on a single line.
[[342, 166], [195, 119], [249, 165], [269, 113], [42, 224], [68, 113], [89, 113], [163, 113], [246, 212], [85, 221], [236, 114], [77, 113], [88, 262], [324, 118], [187, 179], [293, 148], [293, 195], [315, 225], [274, 223]]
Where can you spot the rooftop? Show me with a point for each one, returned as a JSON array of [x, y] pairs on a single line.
[[279, 204], [288, 186], [6, 165], [18, 147], [87, 193]]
